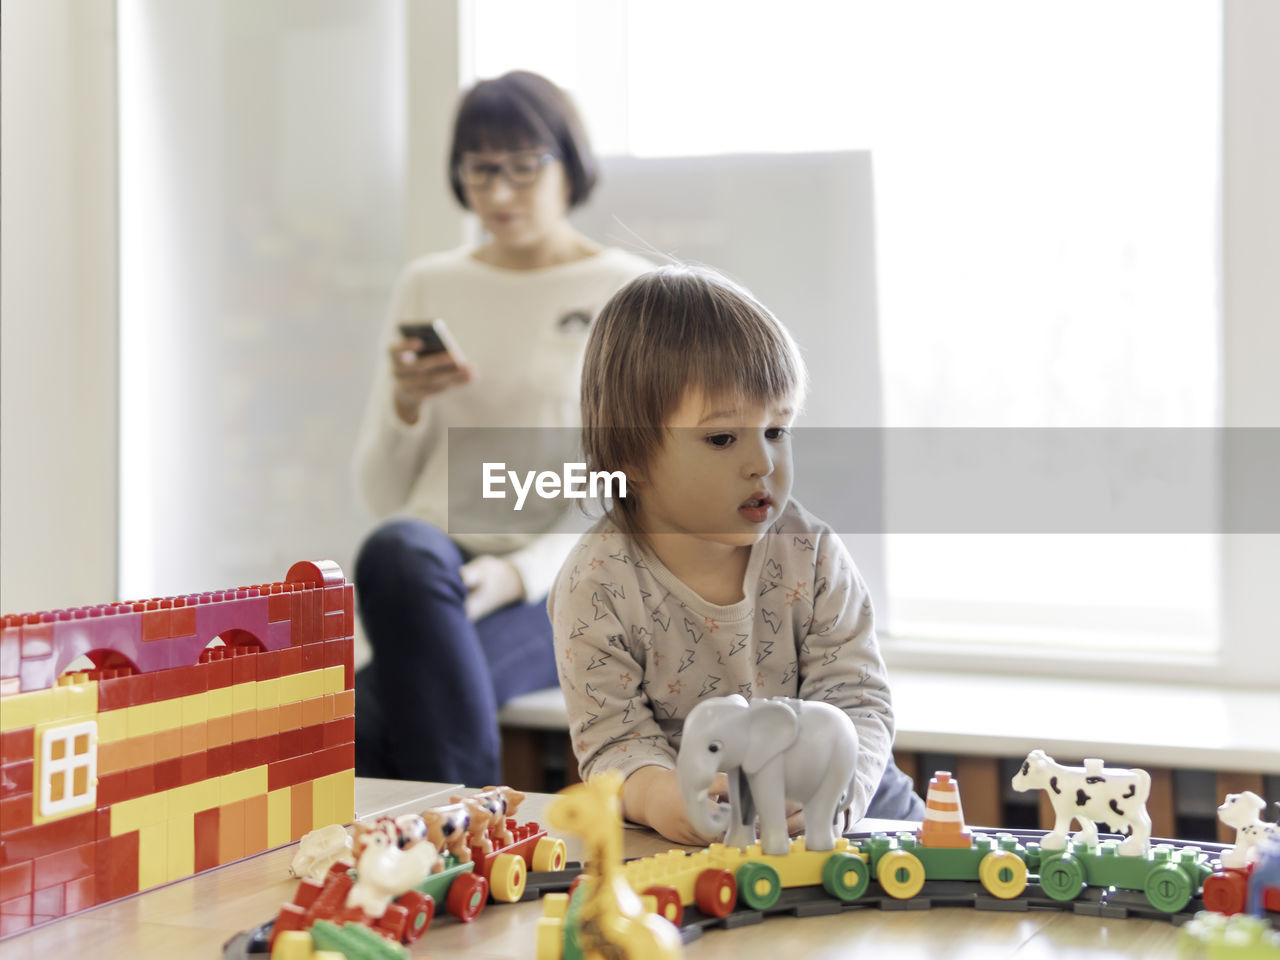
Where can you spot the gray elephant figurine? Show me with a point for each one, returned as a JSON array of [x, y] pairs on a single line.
[[774, 750]]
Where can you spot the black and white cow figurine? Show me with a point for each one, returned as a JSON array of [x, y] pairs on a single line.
[[1091, 793]]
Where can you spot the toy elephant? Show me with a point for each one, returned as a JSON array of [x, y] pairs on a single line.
[[774, 750]]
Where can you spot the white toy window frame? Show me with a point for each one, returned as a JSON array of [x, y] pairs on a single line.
[[68, 768]]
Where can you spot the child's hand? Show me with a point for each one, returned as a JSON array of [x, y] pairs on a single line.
[[652, 796]]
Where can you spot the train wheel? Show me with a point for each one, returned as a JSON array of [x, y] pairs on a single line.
[[1167, 887], [506, 879], [715, 892], [1225, 892], [845, 877], [758, 885], [467, 896], [549, 855], [668, 903], [1003, 874], [901, 874], [1062, 878], [421, 909]]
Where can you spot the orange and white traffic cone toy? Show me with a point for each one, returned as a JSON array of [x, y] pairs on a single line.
[[943, 819]]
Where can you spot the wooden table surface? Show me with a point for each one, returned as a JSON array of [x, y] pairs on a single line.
[[195, 917]]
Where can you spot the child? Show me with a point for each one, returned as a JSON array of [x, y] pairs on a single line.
[[706, 579]]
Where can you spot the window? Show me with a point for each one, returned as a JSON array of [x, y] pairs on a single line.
[[68, 769], [1046, 232]]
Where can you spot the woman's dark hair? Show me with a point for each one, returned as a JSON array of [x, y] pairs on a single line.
[[517, 111]]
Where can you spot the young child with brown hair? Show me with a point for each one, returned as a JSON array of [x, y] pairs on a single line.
[[706, 578]]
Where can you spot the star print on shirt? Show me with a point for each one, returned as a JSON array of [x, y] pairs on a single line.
[[674, 688], [710, 624], [595, 562], [624, 680]]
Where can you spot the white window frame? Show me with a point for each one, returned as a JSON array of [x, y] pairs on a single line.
[[67, 765]]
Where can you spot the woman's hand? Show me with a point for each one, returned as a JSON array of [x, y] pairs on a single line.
[[652, 796], [491, 583], [417, 377]]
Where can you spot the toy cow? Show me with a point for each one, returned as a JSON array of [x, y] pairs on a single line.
[[384, 869], [1244, 812], [1091, 793]]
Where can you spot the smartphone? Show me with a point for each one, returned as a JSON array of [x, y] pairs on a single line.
[[435, 338]]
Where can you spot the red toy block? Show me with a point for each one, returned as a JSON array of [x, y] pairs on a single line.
[[168, 774], [291, 659], [113, 693], [219, 673], [48, 904], [182, 622], [279, 607], [315, 573], [69, 864], [140, 781], [290, 742], [206, 837], [113, 787], [15, 914], [221, 760], [15, 812], [156, 625], [80, 894], [312, 738], [15, 880], [195, 767], [15, 778], [102, 823], [312, 656], [337, 732], [117, 875], [189, 681], [244, 667], [269, 663]]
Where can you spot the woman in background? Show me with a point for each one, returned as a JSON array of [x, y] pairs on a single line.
[[458, 624]]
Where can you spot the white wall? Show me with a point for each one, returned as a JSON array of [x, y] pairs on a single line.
[[57, 304]]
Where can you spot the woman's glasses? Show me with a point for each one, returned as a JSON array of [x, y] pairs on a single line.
[[521, 169]]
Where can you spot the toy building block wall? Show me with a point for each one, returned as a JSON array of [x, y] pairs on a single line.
[[175, 752]]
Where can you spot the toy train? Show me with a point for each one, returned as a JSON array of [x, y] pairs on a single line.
[[458, 856], [942, 863]]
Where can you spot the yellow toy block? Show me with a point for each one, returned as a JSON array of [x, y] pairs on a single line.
[[279, 815], [221, 702], [242, 785], [195, 708], [181, 852], [130, 815], [291, 688], [244, 696], [312, 684], [144, 718], [113, 725], [292, 945], [190, 798], [82, 700], [322, 802], [153, 860], [335, 679], [24, 709], [344, 796], [268, 693]]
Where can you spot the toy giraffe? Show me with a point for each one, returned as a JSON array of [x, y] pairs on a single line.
[[613, 923]]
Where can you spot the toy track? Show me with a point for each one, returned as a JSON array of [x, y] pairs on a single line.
[[813, 901]]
